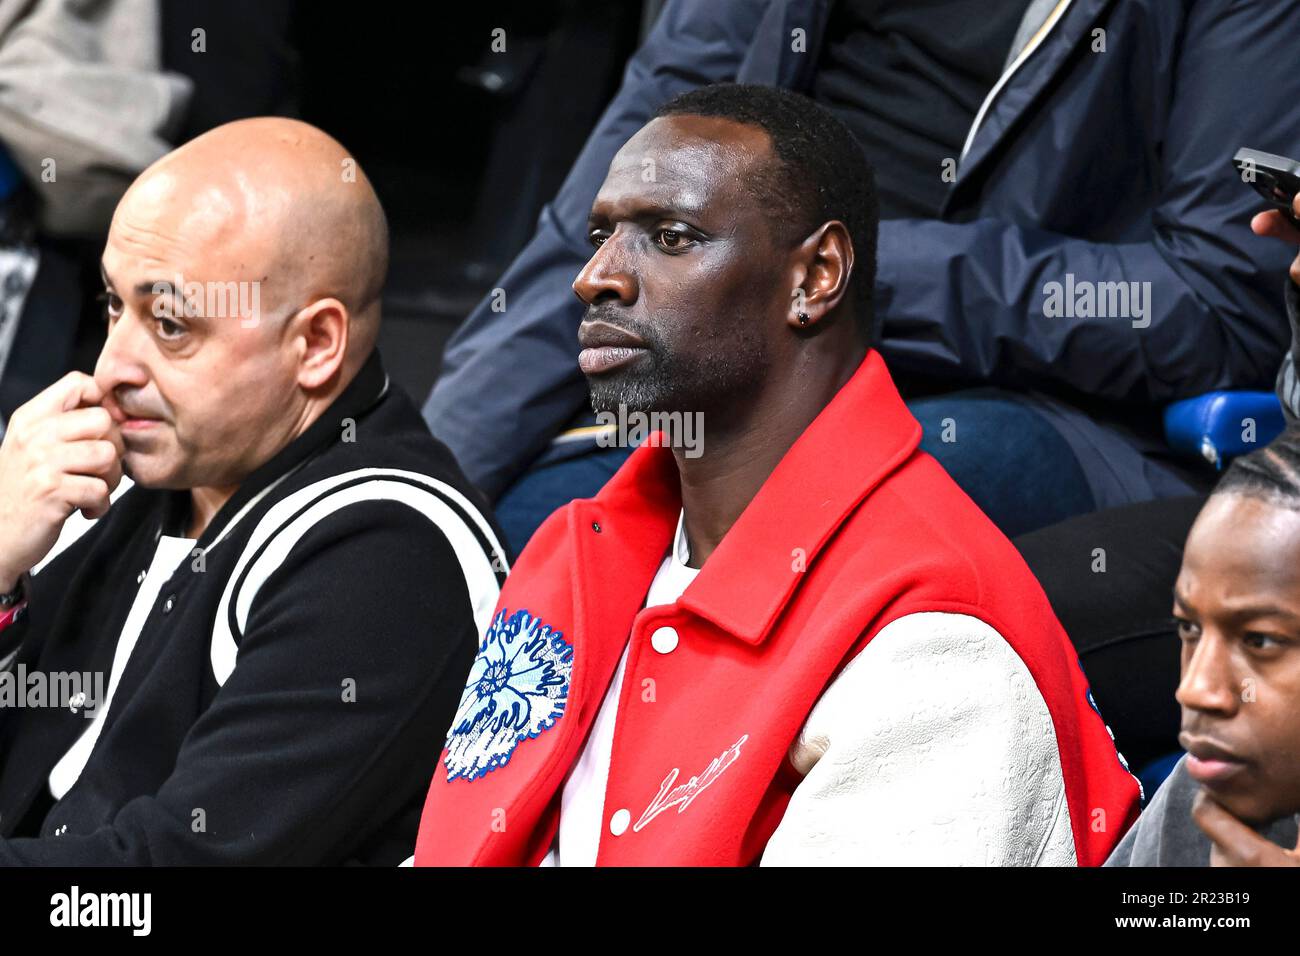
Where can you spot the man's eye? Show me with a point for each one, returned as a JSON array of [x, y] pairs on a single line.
[[1187, 630], [168, 329], [672, 239], [597, 237], [1260, 641], [112, 304]]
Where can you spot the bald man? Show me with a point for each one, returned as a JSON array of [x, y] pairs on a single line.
[[242, 583]]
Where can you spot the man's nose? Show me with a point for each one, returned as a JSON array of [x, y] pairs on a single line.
[[120, 361], [1208, 680], [607, 274]]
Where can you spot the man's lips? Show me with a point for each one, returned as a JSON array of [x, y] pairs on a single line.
[[606, 347], [129, 418], [1209, 762], [606, 358], [131, 422], [139, 424]]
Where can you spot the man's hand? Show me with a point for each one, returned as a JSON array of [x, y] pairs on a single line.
[[1273, 223], [1232, 842], [61, 452]]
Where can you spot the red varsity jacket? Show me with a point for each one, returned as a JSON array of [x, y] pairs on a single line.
[[855, 528]]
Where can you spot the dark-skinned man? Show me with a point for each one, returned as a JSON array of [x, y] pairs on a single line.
[[1233, 798], [799, 637], [1017, 154]]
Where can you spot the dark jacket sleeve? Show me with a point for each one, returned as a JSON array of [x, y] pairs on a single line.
[[968, 298], [54, 577], [510, 380], [349, 671]]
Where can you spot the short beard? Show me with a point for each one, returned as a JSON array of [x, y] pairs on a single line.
[[721, 370]]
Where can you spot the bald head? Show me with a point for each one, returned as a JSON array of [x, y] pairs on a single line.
[[242, 281], [274, 201]]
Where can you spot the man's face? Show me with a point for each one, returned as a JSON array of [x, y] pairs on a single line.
[[1237, 600], [684, 291], [201, 399]]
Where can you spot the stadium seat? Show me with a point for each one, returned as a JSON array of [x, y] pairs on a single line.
[[1219, 426]]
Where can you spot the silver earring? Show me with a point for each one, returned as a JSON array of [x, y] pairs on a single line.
[[803, 318]]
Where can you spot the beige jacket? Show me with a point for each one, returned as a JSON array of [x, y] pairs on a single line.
[[84, 106]]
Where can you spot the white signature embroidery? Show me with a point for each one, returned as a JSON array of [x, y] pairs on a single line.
[[682, 796]]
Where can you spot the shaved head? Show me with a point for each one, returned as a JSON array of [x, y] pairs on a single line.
[[275, 201], [243, 280]]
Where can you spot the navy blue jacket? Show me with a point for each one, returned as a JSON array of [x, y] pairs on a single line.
[[1110, 166]]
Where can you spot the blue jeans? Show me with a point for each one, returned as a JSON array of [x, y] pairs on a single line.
[[1006, 456], [1002, 453]]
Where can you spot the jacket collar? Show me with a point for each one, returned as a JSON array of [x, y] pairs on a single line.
[[366, 389], [1027, 77], [864, 434]]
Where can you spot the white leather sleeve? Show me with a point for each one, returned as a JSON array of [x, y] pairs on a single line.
[[932, 747]]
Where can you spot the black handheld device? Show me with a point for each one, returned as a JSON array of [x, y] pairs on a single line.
[[1276, 178]]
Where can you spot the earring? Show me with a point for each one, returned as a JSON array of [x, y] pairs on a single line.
[[803, 318]]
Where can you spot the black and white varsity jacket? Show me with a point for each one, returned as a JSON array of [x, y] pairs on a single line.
[[295, 671]]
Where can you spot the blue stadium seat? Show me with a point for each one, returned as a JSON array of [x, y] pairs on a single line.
[[1219, 426]]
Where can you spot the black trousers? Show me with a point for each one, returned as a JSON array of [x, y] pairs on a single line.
[[1110, 577]]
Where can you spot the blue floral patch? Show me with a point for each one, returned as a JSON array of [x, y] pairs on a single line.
[[517, 688]]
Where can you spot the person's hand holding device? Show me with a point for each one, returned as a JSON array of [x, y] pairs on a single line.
[[1277, 179]]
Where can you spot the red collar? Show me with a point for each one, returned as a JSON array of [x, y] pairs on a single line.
[[865, 433]]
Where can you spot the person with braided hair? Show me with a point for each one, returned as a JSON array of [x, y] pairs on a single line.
[[1234, 797]]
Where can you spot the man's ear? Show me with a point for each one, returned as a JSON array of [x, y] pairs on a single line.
[[319, 335], [823, 265]]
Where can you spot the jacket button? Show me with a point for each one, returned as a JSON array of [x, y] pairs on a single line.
[[169, 604], [139, 578], [619, 821], [664, 640]]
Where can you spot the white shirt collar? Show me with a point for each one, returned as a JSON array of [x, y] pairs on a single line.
[[682, 547]]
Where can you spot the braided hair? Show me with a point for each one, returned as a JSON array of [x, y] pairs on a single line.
[[1272, 473]]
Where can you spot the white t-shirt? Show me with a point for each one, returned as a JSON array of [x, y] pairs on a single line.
[[167, 558]]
